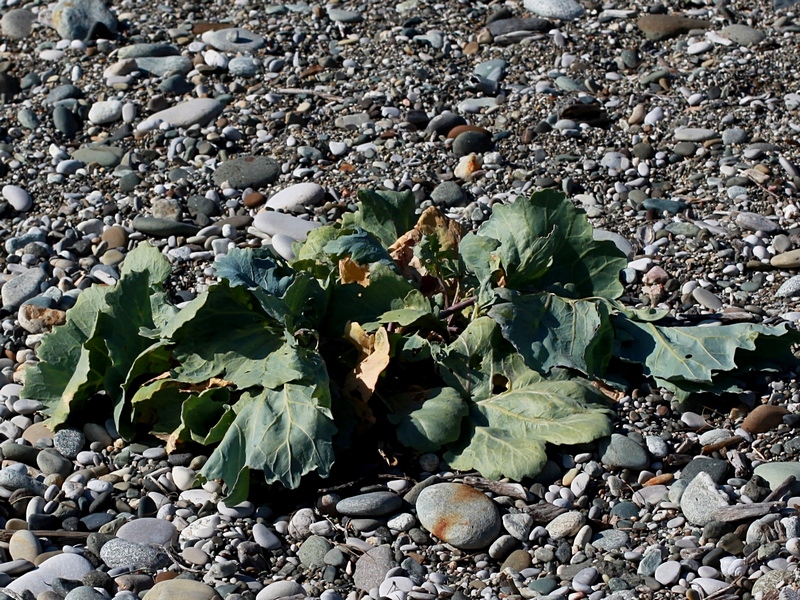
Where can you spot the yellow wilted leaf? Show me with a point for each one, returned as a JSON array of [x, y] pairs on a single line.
[[360, 383], [351, 272]]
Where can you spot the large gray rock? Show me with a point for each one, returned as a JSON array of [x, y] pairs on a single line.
[[701, 498], [248, 171], [74, 19], [459, 515]]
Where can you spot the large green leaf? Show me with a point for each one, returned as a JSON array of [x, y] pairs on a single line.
[[480, 360], [508, 431], [550, 331], [285, 433], [222, 333], [692, 353], [514, 412], [360, 245], [254, 269], [480, 256], [546, 243], [385, 214], [429, 422], [97, 345]]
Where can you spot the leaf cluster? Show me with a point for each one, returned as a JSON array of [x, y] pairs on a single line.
[[486, 346]]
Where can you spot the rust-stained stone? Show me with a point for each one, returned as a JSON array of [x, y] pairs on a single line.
[[459, 515], [763, 418]]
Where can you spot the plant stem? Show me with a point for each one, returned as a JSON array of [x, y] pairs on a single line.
[[454, 308]]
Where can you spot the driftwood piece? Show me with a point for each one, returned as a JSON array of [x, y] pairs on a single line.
[[782, 489], [731, 441], [543, 512], [739, 512], [53, 534], [512, 490]]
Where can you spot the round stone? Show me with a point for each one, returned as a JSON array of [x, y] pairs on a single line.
[[297, 197], [16, 24], [69, 442], [621, 452], [565, 525], [148, 531], [19, 199], [181, 589], [459, 515], [106, 111]]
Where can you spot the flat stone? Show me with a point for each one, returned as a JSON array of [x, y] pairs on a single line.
[[18, 198], [313, 550], [763, 418], [344, 16], [371, 568], [273, 223], [789, 288], [743, 34], [565, 10], [787, 260], [234, 39], [122, 553], [17, 23], [163, 227], [23, 545], [66, 566], [22, 287], [247, 171], [161, 66], [701, 498], [706, 298], [106, 111], [611, 539], [621, 452], [265, 538], [565, 525], [658, 27], [373, 504], [776, 473], [181, 589], [716, 468], [668, 573], [102, 155], [459, 515], [148, 531], [506, 26], [297, 197], [694, 134], [755, 222], [147, 49], [199, 111]]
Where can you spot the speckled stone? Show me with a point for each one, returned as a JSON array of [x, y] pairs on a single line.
[[459, 515], [122, 553]]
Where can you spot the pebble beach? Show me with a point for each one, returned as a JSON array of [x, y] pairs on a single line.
[[201, 126]]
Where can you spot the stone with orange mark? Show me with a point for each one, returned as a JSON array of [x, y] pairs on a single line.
[[459, 515]]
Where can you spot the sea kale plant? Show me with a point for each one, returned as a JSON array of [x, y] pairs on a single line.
[[484, 346]]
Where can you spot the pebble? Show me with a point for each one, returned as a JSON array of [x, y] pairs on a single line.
[[701, 498], [18, 198], [297, 197], [619, 451], [281, 589], [273, 223], [181, 589], [374, 504], [198, 111], [17, 23], [459, 515], [566, 10]]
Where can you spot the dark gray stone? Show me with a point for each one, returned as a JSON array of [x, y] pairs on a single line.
[[247, 171]]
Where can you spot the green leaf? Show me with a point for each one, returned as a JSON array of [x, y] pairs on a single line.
[[550, 331], [508, 432], [354, 302], [254, 269], [222, 333], [546, 242], [427, 423], [480, 256], [693, 354], [412, 309], [286, 433], [95, 348], [385, 214], [360, 245], [480, 359], [156, 359]]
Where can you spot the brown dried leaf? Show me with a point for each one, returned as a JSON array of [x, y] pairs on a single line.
[[352, 272], [360, 383]]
